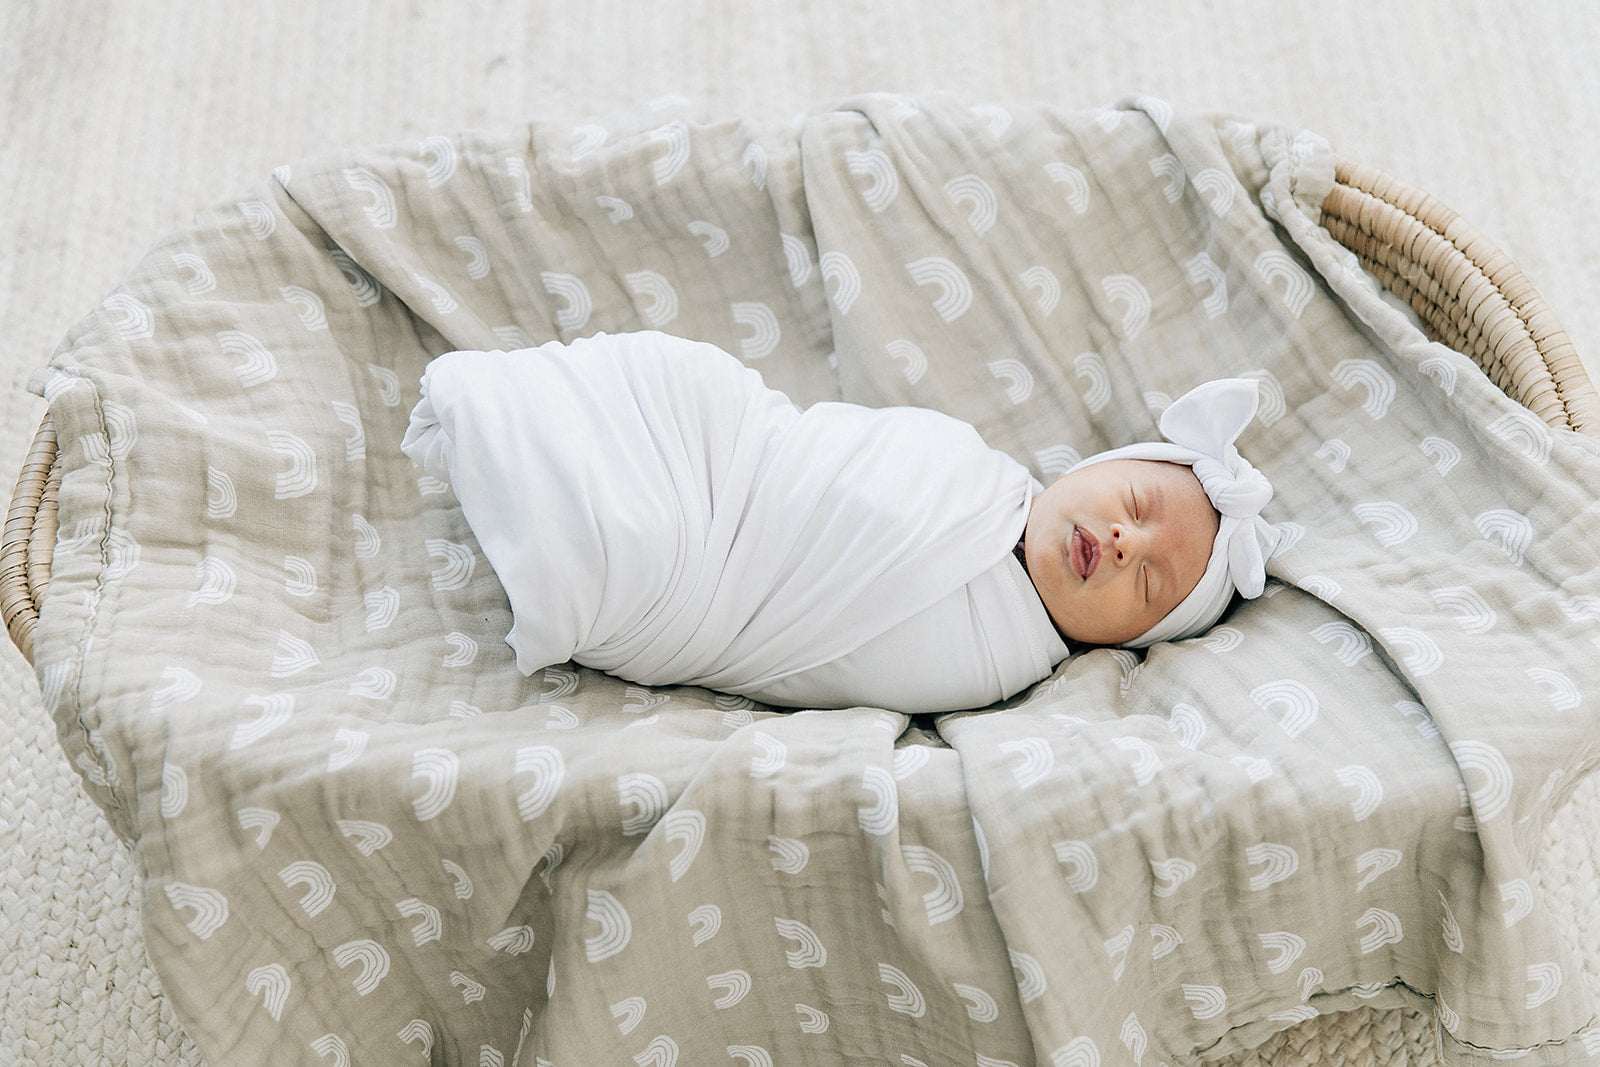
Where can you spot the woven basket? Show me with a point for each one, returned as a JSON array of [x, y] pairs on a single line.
[[1468, 294]]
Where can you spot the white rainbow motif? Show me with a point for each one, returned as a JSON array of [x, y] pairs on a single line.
[[1056, 460], [1277, 266], [514, 941], [301, 477], [355, 437], [762, 321], [1510, 531], [839, 271], [548, 769], [1015, 376], [1525, 433], [318, 882], [1171, 873], [383, 607], [210, 907], [808, 951], [429, 925], [1375, 862], [477, 256], [439, 768], [587, 138], [906, 998], [388, 384], [881, 814], [1079, 859], [789, 854], [1418, 652], [916, 363], [1078, 189], [617, 209], [1368, 787], [668, 165], [1354, 645], [1410, 709], [1146, 763], [729, 988], [647, 796], [218, 581], [1321, 587], [271, 983], [755, 157], [1471, 610], [308, 305], [362, 286], [1029, 974], [1173, 179], [201, 280], [381, 212], [374, 683], [996, 119], [1442, 371], [955, 290], [440, 154], [458, 563], [1128, 291], [1222, 640], [1336, 452], [1188, 726], [616, 929], [1298, 705], [370, 957], [1079, 1052], [712, 237], [348, 746], [182, 684], [944, 901], [1091, 367], [1393, 524], [1046, 287], [1561, 690], [367, 836], [909, 760], [687, 828], [1492, 791], [1285, 948], [569, 288], [797, 255], [437, 295], [1377, 383], [222, 501], [662, 306], [1274, 405], [1278, 863], [1203, 272], [1546, 981], [275, 711], [983, 207], [252, 362], [132, 319], [258, 218], [471, 991], [981, 1007], [1218, 188], [704, 922], [773, 755], [1205, 1001], [1449, 927], [812, 1020], [883, 181], [262, 820], [1165, 941], [1382, 928], [1518, 897], [1038, 759]]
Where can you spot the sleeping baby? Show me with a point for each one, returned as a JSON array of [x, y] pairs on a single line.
[[653, 510]]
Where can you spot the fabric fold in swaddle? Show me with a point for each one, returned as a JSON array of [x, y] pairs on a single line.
[[654, 510]]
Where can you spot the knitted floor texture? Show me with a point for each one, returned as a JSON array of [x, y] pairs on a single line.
[[123, 118]]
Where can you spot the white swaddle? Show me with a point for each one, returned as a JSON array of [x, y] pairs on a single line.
[[655, 511]]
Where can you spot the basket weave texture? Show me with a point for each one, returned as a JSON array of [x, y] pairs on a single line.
[[1468, 294]]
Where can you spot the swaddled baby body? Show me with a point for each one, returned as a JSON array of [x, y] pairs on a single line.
[[654, 510]]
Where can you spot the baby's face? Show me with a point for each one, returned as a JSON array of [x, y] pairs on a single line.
[[1115, 546]]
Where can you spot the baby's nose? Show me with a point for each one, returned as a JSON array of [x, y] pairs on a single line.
[[1126, 543]]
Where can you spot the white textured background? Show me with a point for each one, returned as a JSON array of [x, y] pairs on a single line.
[[119, 121]]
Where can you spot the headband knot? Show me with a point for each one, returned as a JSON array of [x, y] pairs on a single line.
[[1200, 428]]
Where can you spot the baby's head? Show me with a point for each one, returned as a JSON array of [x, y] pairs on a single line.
[[1114, 547], [1149, 542]]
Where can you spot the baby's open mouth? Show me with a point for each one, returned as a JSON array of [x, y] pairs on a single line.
[[1085, 552]]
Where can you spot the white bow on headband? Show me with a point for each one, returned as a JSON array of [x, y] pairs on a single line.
[[1200, 428]]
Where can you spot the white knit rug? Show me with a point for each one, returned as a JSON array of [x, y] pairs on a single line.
[[120, 120]]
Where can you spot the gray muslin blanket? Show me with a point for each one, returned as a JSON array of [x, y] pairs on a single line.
[[275, 651]]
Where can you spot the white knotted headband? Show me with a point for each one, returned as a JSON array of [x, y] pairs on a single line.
[[1200, 428]]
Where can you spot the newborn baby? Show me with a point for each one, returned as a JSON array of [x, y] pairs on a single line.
[[654, 510]]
